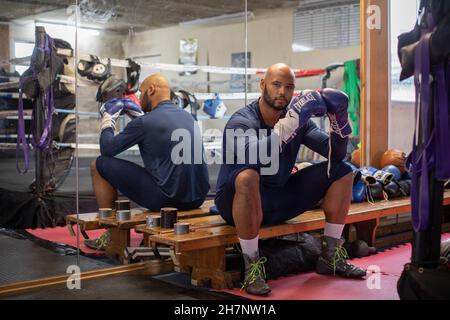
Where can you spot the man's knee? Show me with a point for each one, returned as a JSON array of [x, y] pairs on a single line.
[[93, 166], [247, 180], [347, 179], [99, 165]]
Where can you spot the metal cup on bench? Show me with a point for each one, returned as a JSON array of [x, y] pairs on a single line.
[[153, 221], [105, 213], [181, 228], [123, 215]]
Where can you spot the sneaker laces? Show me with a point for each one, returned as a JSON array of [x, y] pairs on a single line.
[[340, 254], [102, 240], [256, 270]]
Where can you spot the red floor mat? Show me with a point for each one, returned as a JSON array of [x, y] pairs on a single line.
[[390, 261], [62, 235], [312, 286], [381, 284]]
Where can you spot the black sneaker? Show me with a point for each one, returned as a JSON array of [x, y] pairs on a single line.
[[98, 244], [333, 260], [255, 275]]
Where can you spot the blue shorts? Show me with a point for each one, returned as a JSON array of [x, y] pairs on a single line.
[[138, 185], [302, 192]]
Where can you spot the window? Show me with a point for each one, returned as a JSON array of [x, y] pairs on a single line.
[[330, 27], [407, 10], [22, 49]]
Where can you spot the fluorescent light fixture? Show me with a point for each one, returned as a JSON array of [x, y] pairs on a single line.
[[223, 19], [56, 27], [300, 48]]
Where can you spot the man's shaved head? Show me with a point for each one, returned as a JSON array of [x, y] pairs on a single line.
[[279, 69], [278, 86], [155, 79], [154, 88]]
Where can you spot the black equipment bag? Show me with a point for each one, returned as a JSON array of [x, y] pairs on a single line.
[[287, 257], [424, 283]]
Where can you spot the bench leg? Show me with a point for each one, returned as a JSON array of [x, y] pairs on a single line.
[[366, 230], [72, 232], [83, 233], [207, 267], [120, 239]]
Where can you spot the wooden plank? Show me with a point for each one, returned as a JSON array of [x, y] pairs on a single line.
[[194, 223], [87, 221], [24, 286], [139, 218], [206, 237], [362, 71], [377, 86]]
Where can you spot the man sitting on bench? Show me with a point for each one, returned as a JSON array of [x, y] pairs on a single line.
[[161, 182], [249, 195]]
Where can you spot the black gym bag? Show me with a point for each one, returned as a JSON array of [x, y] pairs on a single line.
[[424, 283], [287, 257]]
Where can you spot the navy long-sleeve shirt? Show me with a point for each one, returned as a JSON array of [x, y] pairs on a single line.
[[250, 117], [152, 132]]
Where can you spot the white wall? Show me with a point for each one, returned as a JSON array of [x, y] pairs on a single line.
[[269, 41], [401, 125]]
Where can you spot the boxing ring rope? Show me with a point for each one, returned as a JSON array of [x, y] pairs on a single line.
[[299, 73]]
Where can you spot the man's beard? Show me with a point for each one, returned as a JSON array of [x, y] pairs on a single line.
[[271, 102], [146, 105]]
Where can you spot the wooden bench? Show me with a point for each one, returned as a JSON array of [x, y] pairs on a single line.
[[201, 252], [120, 230]]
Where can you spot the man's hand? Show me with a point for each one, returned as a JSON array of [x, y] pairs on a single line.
[[132, 109], [337, 105], [110, 111], [309, 103]]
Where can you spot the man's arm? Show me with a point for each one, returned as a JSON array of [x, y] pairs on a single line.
[[242, 144], [318, 141], [111, 145]]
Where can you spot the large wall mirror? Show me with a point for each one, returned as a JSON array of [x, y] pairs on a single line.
[[65, 55]]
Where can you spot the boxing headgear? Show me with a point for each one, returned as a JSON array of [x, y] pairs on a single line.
[[133, 73], [183, 99], [94, 69], [111, 88], [214, 107]]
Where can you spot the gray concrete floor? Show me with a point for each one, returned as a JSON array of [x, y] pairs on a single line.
[[22, 259]]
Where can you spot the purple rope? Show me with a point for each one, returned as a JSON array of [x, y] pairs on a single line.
[[21, 138], [433, 150], [441, 120], [420, 205], [42, 140]]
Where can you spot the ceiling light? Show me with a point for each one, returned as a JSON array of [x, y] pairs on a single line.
[[223, 19]]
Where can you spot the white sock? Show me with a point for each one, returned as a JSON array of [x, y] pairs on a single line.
[[333, 230], [250, 247]]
